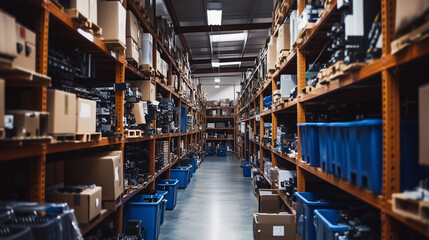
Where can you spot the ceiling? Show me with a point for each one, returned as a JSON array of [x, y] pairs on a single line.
[[237, 15]]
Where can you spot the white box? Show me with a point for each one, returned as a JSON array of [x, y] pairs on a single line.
[[272, 54], [80, 5], [93, 11], [147, 49], [26, 57], [7, 35], [211, 125], [112, 18], [287, 83], [293, 27]]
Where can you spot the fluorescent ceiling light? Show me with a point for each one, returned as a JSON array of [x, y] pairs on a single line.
[[214, 13], [217, 86], [216, 64], [217, 79], [228, 37]]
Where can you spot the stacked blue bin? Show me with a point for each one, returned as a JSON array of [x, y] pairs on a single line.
[[146, 208], [326, 224], [310, 143], [184, 114], [191, 171], [210, 151], [181, 174], [221, 152], [247, 169], [306, 203], [163, 203], [171, 185]]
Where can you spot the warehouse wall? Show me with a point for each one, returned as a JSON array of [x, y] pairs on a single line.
[[224, 91]]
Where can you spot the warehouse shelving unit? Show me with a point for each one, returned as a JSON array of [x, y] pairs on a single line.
[[52, 24], [383, 71], [219, 118]]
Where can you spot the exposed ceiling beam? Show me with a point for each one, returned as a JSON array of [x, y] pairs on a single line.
[[223, 28], [176, 24], [240, 59], [221, 70]]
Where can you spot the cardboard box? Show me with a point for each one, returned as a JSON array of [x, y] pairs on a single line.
[[54, 173], [7, 35], [272, 54], [423, 125], [86, 115], [409, 12], [30, 123], [138, 111], [86, 204], [278, 176], [220, 125], [132, 27], [211, 125], [274, 226], [26, 48], [132, 51], [147, 88], [93, 11], [103, 169], [283, 38], [80, 5], [112, 17], [62, 109], [269, 201], [2, 102]]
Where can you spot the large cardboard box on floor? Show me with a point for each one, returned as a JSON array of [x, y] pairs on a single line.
[[112, 18], [62, 109], [86, 204], [268, 226], [86, 118], [26, 48], [103, 169], [147, 88], [269, 201]]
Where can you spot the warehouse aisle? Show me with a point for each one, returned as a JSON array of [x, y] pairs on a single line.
[[218, 204]]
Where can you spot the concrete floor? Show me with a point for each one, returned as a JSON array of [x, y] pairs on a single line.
[[218, 204]]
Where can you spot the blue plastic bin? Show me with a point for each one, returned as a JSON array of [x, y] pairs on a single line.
[[163, 203], [184, 113], [325, 160], [221, 152], [306, 203], [147, 212], [364, 154], [210, 151], [247, 168], [172, 186], [191, 170], [326, 224], [194, 164], [304, 139], [180, 174], [188, 171], [339, 139]]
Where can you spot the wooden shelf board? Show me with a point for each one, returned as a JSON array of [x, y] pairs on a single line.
[[65, 147], [363, 194]]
